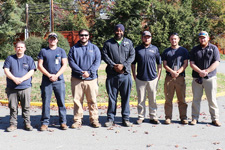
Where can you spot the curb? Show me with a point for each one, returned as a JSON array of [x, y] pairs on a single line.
[[39, 104]]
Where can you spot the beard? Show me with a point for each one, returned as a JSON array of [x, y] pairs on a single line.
[[146, 44], [118, 36]]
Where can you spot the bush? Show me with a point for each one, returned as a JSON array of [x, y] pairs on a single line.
[[34, 45], [6, 49]]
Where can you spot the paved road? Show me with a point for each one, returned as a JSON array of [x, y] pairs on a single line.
[[203, 136]]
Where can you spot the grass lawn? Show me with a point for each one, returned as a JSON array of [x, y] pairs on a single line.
[[102, 96]]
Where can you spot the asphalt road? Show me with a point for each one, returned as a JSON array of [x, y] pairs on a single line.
[[202, 136]]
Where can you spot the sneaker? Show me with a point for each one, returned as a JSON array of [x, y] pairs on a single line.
[[28, 127], [140, 121], [184, 121], [216, 123], [127, 123], [76, 125], [11, 128], [154, 121], [168, 121], [63, 126], [44, 127], [96, 124], [193, 122], [109, 123]]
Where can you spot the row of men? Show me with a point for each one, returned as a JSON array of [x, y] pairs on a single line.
[[121, 58]]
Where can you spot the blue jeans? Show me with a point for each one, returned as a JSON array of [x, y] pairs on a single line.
[[114, 84], [46, 93]]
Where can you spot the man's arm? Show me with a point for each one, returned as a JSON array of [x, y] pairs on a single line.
[[159, 70], [16, 79], [94, 67], [131, 57], [173, 73], [133, 68], [42, 69], [202, 73], [54, 77], [73, 64], [106, 57], [183, 67]]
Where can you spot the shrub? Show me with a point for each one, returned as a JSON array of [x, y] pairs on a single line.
[[34, 45], [6, 49]]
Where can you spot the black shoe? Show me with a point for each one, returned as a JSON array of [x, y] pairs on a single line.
[[154, 121], [127, 123]]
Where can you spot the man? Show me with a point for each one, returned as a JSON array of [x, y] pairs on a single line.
[[175, 61], [18, 69], [84, 60], [204, 60], [52, 62], [118, 53], [146, 57]]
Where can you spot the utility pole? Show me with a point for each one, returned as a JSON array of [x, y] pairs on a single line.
[[26, 32], [51, 16]]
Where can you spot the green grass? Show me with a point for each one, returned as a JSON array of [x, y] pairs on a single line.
[[102, 96]]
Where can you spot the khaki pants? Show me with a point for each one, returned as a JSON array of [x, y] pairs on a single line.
[[170, 86], [79, 89], [210, 86], [150, 87]]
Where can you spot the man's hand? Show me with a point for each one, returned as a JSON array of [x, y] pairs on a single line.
[[174, 74], [17, 80], [85, 74], [119, 68], [203, 73], [53, 77]]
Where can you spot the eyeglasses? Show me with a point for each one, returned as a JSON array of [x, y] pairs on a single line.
[[84, 35]]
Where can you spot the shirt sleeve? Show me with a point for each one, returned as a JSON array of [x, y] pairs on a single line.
[[131, 57], [216, 54], [94, 67], [7, 63], [105, 55], [73, 65]]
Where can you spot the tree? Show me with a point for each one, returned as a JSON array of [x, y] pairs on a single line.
[[164, 19], [10, 24]]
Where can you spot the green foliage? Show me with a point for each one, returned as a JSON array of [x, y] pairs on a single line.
[[34, 45], [63, 43], [6, 49], [164, 19], [10, 21]]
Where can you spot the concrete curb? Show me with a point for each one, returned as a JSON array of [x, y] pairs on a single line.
[[39, 104]]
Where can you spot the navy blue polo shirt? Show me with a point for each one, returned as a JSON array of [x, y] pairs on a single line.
[[49, 60], [146, 59], [175, 57], [204, 58], [19, 67]]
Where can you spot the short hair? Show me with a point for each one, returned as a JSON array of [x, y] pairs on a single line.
[[172, 34], [20, 42], [83, 30]]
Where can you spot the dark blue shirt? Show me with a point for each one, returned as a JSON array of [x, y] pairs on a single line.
[[146, 59], [175, 57], [204, 58], [52, 60], [84, 58], [19, 67]]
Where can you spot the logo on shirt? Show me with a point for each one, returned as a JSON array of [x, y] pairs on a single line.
[[91, 51], [151, 51], [125, 43]]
